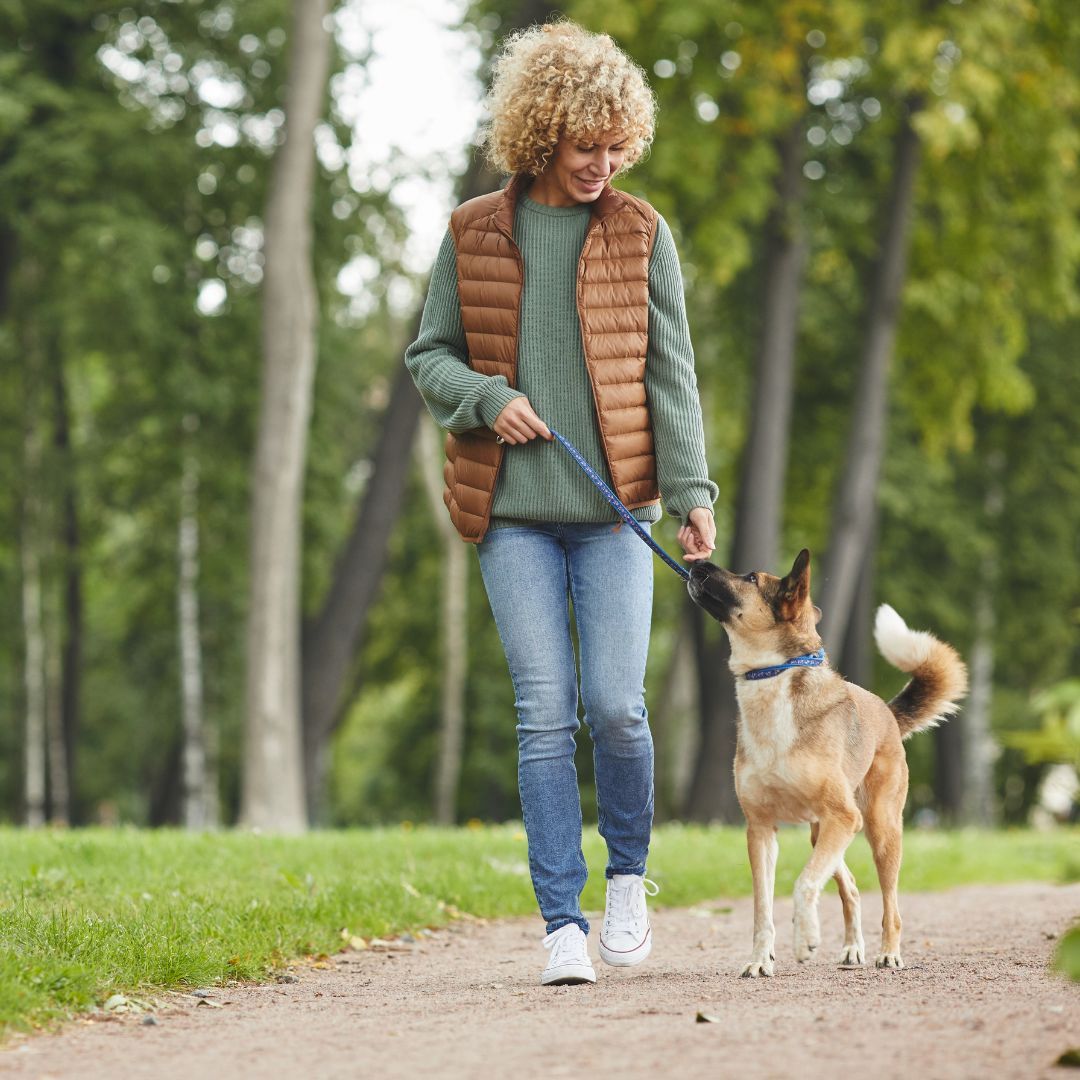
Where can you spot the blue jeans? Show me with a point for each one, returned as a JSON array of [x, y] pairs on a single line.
[[531, 573]]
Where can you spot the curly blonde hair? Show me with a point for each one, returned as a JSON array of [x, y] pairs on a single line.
[[561, 79]]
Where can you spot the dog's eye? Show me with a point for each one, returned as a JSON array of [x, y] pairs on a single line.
[[752, 578]]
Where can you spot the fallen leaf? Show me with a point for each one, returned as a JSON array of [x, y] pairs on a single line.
[[209, 1001], [1071, 1058], [116, 1003], [706, 1018]]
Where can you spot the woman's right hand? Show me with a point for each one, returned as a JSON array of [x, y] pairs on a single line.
[[518, 423]]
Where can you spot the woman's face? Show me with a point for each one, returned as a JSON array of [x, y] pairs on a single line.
[[578, 169]]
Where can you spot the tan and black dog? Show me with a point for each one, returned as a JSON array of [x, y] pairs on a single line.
[[813, 747]]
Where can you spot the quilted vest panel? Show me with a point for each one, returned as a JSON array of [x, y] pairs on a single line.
[[613, 307]]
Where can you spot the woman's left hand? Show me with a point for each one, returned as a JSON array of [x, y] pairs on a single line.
[[698, 539]]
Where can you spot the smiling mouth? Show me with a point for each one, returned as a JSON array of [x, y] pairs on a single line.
[[590, 183]]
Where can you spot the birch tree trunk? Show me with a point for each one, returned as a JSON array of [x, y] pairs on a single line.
[[980, 749], [856, 498], [273, 775], [761, 486], [198, 805], [454, 624]]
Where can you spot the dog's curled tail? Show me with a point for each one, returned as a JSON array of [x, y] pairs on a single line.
[[938, 675]]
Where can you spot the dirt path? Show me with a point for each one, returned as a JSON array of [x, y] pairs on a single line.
[[976, 1000]]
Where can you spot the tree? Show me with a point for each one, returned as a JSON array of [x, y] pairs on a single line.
[[273, 791]]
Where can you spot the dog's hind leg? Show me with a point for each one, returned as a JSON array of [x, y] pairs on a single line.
[[887, 790], [854, 952], [836, 829], [762, 847]]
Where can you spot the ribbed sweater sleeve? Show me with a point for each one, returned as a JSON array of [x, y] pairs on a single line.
[[458, 397], [671, 387]]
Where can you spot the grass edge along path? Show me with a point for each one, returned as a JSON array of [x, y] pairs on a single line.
[[85, 914]]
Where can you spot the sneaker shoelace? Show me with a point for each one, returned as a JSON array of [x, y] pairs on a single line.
[[566, 949], [622, 900]]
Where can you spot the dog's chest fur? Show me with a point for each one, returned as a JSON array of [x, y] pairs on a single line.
[[768, 765]]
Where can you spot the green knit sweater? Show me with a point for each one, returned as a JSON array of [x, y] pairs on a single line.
[[538, 480]]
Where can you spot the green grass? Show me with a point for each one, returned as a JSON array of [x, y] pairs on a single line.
[[89, 913]]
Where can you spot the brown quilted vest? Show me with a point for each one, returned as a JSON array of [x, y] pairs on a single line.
[[613, 306]]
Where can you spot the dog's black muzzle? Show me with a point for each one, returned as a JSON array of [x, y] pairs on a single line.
[[709, 589]]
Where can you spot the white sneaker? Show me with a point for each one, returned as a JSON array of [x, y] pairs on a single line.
[[569, 961], [626, 938]]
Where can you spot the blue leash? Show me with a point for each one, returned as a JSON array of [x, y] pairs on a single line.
[[617, 504], [814, 659]]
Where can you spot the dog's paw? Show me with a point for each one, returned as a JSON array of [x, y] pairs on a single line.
[[853, 955], [889, 960], [807, 935], [759, 968]]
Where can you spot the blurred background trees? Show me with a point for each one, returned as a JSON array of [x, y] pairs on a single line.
[[877, 211]]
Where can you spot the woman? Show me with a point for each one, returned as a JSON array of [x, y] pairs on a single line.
[[559, 300]]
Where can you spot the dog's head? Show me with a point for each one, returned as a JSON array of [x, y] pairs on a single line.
[[766, 614]]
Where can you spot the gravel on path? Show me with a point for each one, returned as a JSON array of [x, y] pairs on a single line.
[[976, 999]]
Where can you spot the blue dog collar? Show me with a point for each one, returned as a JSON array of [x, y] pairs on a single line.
[[814, 659]]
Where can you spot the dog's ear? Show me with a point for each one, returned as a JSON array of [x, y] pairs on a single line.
[[795, 588]]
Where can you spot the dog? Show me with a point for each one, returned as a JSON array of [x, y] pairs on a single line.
[[812, 747]]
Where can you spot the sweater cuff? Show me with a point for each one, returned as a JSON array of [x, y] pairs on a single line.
[[496, 396], [703, 496]]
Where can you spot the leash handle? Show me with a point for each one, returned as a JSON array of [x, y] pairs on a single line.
[[617, 504]]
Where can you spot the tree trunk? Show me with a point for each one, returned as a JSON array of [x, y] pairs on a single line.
[[712, 790], [59, 795], [33, 623], [856, 659], [949, 771], [980, 750], [673, 719], [761, 486], [856, 499], [455, 641], [273, 774], [71, 620], [977, 796], [198, 805]]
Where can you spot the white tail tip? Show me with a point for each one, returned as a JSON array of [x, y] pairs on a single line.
[[903, 647]]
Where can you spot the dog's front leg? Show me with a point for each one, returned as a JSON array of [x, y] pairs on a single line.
[[762, 847], [835, 832]]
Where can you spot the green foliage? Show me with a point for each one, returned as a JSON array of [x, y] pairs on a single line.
[[87, 914], [1058, 739]]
